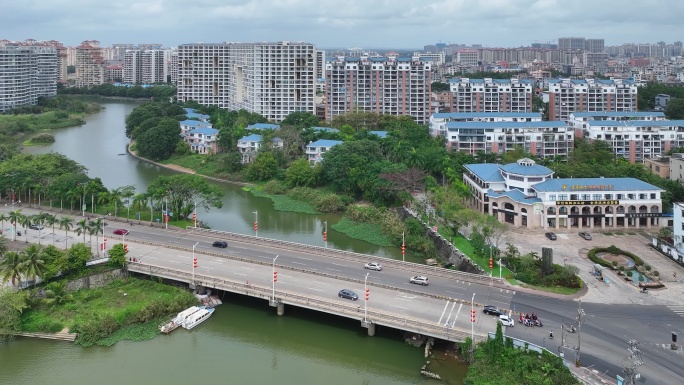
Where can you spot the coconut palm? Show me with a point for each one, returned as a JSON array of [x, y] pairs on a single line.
[[56, 293], [51, 220], [140, 202], [115, 195], [3, 218], [66, 223], [39, 219], [128, 192], [82, 228], [34, 266], [3, 246], [25, 222], [12, 268], [97, 227], [14, 218]]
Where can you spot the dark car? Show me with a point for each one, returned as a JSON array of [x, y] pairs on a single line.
[[121, 232], [493, 310], [585, 235], [551, 236], [222, 244], [348, 294]]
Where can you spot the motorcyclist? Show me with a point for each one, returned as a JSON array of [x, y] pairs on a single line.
[[551, 334]]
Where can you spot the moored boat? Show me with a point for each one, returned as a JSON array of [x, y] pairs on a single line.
[[179, 319], [197, 318]]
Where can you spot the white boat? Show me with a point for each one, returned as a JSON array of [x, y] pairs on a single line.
[[179, 319], [197, 318]]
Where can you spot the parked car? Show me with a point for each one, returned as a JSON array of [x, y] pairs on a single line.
[[493, 310], [34, 226], [419, 280], [373, 266], [551, 236], [506, 320], [585, 235], [348, 294], [121, 232], [222, 244]]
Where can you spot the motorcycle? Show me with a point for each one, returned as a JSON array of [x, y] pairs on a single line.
[[570, 329], [537, 322], [643, 290]]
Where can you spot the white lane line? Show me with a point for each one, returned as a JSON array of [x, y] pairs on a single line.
[[219, 262], [283, 275], [337, 264], [321, 283], [244, 275], [402, 299], [398, 307], [208, 268], [306, 259], [299, 263], [333, 269], [249, 268], [311, 288], [452, 292]]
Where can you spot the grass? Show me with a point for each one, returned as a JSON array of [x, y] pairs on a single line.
[[556, 289], [202, 164], [134, 332], [363, 231], [608, 234], [283, 202], [34, 122], [483, 261]]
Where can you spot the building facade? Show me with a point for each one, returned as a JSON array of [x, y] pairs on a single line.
[[491, 95], [89, 62], [589, 95], [27, 73], [545, 139], [316, 150], [438, 121], [271, 79], [659, 165], [132, 68], [525, 194], [677, 167], [382, 85]]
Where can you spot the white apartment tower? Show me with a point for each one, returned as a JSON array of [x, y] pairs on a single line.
[[26, 73], [491, 95], [173, 67], [89, 64], [590, 95], [271, 79], [133, 65], [154, 68], [393, 86]]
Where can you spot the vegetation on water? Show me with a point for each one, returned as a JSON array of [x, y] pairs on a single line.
[[41, 139], [497, 361], [363, 231], [98, 314], [284, 202]]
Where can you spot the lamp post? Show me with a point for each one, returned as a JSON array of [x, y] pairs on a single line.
[[83, 204], [274, 277], [365, 302], [256, 224], [194, 214], [472, 324], [325, 234], [193, 262], [403, 248]]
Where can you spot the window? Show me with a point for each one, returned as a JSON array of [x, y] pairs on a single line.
[[585, 197], [620, 196], [653, 196], [574, 197], [563, 197], [597, 197], [609, 196], [552, 197]]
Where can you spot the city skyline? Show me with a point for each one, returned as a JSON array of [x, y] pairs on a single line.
[[406, 24]]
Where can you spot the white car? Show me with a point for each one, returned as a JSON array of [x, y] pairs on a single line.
[[506, 320], [373, 266], [419, 280]]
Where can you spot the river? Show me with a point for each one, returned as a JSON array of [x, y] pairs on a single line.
[[244, 342]]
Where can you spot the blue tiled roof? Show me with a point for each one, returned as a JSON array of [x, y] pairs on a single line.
[[194, 123], [263, 126], [377, 59], [617, 114], [189, 110], [495, 81], [404, 59], [324, 143], [251, 138], [636, 123], [488, 172], [381, 134], [466, 115], [205, 131], [609, 184], [515, 195], [325, 129], [583, 81], [197, 115], [483, 125], [519, 169]]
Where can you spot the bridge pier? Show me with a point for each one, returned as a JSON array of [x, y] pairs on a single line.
[[370, 326], [280, 307]]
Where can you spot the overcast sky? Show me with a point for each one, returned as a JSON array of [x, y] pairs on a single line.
[[342, 23]]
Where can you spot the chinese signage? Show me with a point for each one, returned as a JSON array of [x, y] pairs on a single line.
[[583, 187], [586, 203], [643, 215]]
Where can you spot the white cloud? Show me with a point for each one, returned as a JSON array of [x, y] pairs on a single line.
[[328, 23]]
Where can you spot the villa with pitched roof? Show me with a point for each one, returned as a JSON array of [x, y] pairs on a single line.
[[316, 150], [249, 146]]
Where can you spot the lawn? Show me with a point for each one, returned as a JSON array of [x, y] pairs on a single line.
[[467, 248], [556, 289], [370, 233], [282, 202]]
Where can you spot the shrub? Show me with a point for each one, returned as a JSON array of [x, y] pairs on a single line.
[[656, 273], [647, 267], [615, 264], [43, 138], [621, 268], [275, 187], [629, 273], [641, 278]]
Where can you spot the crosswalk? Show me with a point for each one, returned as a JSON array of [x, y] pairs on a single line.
[[677, 309]]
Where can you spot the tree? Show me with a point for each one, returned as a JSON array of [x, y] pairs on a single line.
[[514, 155], [440, 87], [300, 120], [3, 246], [128, 192], [14, 218], [34, 266], [407, 181], [263, 167], [82, 228], [183, 191], [76, 257], [12, 268], [51, 220], [38, 219], [96, 227], [300, 173], [12, 304], [25, 222], [56, 293], [3, 217], [347, 164], [66, 223], [117, 256], [54, 261], [160, 142], [675, 108]]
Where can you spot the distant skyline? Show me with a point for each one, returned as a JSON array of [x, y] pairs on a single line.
[[398, 24]]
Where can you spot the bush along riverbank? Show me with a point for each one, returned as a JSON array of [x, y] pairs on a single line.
[[125, 309]]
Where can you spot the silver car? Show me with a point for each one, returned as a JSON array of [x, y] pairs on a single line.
[[373, 266], [419, 280], [585, 235]]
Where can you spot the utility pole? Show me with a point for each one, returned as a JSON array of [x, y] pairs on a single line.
[[631, 363], [580, 318]]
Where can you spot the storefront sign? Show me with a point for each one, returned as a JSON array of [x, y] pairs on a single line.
[[593, 187], [586, 203], [643, 215]]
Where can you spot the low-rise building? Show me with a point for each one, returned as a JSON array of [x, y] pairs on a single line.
[[677, 167], [659, 165], [579, 121], [325, 129], [191, 113], [379, 134], [202, 140], [438, 121], [249, 146], [525, 194], [677, 233], [262, 126], [316, 150]]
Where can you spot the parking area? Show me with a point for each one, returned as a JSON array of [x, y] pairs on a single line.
[[570, 248]]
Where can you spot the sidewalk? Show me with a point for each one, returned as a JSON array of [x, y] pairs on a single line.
[[591, 377]]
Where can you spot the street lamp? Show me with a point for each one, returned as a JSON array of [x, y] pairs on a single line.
[[365, 302], [83, 204], [274, 276], [193, 262], [325, 234], [256, 224], [194, 214], [472, 324], [403, 248]]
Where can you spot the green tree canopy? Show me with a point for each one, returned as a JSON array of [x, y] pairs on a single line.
[[183, 191], [301, 174], [161, 141], [301, 120], [263, 167], [675, 108]]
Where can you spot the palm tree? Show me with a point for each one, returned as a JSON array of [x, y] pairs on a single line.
[[51, 220], [14, 218], [12, 268], [34, 266], [3, 218], [3, 246], [56, 293], [128, 192], [66, 223], [140, 202], [82, 228], [96, 227], [115, 195], [25, 222], [39, 219]]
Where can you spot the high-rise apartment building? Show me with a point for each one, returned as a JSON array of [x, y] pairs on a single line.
[[491, 95], [173, 67], [587, 95], [383, 85], [27, 73], [90, 68], [154, 69], [594, 45], [571, 43], [271, 79], [133, 65]]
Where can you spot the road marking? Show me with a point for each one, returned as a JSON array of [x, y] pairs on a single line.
[[311, 288], [244, 275], [333, 269], [249, 268], [211, 261], [320, 283], [398, 307], [337, 264], [452, 292], [287, 276], [402, 299], [677, 309], [299, 263], [208, 268], [307, 259]]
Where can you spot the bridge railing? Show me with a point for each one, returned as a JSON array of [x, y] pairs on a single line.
[[356, 257], [350, 311]]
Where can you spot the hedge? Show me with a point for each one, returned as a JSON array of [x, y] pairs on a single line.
[[613, 250]]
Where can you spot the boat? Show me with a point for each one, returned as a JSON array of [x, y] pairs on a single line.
[[198, 317], [179, 319]]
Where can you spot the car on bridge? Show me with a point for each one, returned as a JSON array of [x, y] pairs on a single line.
[[419, 280], [493, 310], [121, 232], [348, 294], [222, 244], [373, 266]]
